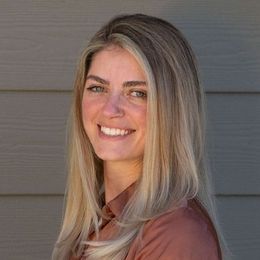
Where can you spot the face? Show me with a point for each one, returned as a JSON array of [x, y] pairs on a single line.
[[114, 105]]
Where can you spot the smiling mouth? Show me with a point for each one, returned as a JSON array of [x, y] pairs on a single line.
[[115, 131]]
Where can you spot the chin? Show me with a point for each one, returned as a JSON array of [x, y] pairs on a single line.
[[111, 157]]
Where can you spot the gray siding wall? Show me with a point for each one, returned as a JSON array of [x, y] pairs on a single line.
[[40, 42]]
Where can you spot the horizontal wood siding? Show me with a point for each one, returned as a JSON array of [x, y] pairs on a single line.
[[30, 224], [234, 142], [239, 216], [33, 130], [40, 40]]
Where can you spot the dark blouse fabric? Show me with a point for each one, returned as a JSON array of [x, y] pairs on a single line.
[[186, 233]]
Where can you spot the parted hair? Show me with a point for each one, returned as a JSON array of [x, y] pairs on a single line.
[[174, 162]]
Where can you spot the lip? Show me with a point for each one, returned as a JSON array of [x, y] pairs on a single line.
[[117, 137]]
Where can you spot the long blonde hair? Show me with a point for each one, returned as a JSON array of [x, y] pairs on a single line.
[[174, 164]]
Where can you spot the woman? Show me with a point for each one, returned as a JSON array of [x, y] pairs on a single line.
[[137, 185]]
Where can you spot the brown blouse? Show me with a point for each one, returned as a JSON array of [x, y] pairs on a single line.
[[183, 234]]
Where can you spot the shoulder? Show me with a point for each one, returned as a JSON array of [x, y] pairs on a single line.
[[184, 233]]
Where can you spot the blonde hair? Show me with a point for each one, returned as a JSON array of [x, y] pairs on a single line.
[[174, 164]]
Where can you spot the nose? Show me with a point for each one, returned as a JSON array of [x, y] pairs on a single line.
[[113, 106]]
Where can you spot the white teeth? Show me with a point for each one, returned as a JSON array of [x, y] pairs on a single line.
[[113, 131]]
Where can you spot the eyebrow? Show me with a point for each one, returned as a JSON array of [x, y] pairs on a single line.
[[98, 79], [131, 83]]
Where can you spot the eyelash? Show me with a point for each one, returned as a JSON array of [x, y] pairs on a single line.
[[133, 93], [139, 94], [95, 89]]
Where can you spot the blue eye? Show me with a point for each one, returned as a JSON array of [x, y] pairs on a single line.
[[138, 93], [96, 89]]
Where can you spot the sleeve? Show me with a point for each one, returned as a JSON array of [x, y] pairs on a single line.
[[183, 236]]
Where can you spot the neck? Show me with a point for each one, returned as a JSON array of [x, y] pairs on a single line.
[[118, 176]]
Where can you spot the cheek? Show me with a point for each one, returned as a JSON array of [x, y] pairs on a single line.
[[88, 108], [88, 112], [84, 107], [142, 118]]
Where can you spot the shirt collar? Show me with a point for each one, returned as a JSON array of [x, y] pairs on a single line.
[[116, 206]]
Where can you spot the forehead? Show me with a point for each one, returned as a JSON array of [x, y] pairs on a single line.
[[113, 60]]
